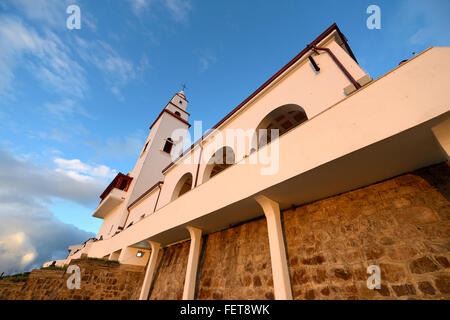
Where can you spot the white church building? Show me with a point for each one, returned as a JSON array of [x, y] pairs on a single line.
[[319, 127]]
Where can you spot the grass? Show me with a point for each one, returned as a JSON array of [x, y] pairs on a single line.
[[54, 268], [20, 277], [102, 260]]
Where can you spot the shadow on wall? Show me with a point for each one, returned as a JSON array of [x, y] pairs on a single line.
[[438, 177]]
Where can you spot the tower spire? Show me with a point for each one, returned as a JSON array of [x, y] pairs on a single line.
[[181, 93]]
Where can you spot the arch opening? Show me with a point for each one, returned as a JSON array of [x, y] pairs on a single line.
[[219, 161], [283, 119], [183, 186]]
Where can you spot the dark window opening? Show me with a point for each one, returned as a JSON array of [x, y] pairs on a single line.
[[168, 145], [177, 113], [123, 184], [187, 186]]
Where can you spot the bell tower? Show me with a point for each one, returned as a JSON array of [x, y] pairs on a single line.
[[160, 148]]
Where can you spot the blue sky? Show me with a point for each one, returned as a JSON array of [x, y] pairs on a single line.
[[76, 105]]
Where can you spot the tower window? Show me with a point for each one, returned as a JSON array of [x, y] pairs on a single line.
[[168, 145], [181, 102], [177, 113]]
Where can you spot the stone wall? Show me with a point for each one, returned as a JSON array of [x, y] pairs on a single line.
[[100, 280], [235, 264], [9, 290], [401, 225], [171, 272]]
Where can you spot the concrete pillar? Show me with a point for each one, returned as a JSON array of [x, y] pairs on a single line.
[[151, 268], [122, 255], [442, 134], [191, 270], [115, 256], [280, 272]]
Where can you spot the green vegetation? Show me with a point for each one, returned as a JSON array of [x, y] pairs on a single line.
[[20, 277], [54, 268], [103, 260]]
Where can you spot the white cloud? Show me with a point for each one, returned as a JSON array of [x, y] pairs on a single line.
[[83, 172], [51, 12], [179, 10], [28, 258], [72, 165], [118, 71], [60, 134], [22, 178], [29, 233], [207, 59], [138, 5], [45, 11], [65, 108], [52, 61], [423, 22], [44, 55], [15, 251]]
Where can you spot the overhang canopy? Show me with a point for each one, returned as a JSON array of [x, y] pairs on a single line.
[[121, 181], [112, 200]]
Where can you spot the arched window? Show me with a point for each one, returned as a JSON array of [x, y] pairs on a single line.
[[220, 160], [184, 185], [168, 145], [283, 119], [178, 113]]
